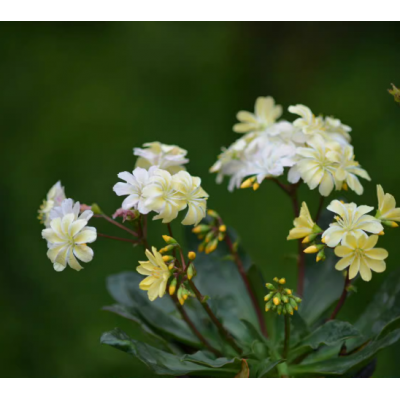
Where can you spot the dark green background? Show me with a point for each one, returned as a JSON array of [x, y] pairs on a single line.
[[75, 98]]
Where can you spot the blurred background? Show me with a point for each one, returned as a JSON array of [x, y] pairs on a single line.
[[76, 98]]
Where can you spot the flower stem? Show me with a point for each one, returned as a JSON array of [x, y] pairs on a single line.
[[320, 207], [193, 328], [342, 299], [287, 337], [111, 221], [142, 224], [222, 331], [117, 238], [246, 282]]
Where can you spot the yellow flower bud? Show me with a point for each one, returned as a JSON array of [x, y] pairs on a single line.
[[344, 186], [191, 255], [167, 258], [222, 228], [212, 214], [248, 183], [256, 186], [381, 233], [282, 281], [394, 225], [200, 249], [311, 249], [172, 287], [288, 291], [276, 301]]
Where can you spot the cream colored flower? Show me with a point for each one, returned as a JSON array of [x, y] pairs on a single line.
[[162, 197], [54, 198], [315, 168], [347, 169], [361, 255], [308, 122], [265, 114], [387, 210], [335, 130], [193, 195], [303, 225], [351, 220], [133, 187], [67, 238], [158, 274], [168, 157]]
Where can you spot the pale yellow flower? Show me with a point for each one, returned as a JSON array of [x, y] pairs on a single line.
[[303, 225], [265, 114], [190, 191], [351, 220], [387, 210], [162, 197], [347, 169], [165, 156], [360, 255], [54, 198], [315, 168], [157, 274], [308, 122]]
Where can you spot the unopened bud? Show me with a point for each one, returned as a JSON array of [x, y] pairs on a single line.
[[309, 238], [279, 309], [344, 186], [285, 299], [276, 279], [268, 296], [221, 236], [180, 296], [395, 92], [222, 228], [313, 249], [191, 271], [268, 306], [270, 286], [166, 249], [191, 255], [293, 303], [288, 291], [248, 183], [289, 309], [167, 258], [321, 255], [213, 214], [169, 240], [211, 246], [282, 281], [200, 249], [276, 300], [210, 236], [256, 186], [172, 287], [381, 233], [391, 224], [96, 209], [201, 229]]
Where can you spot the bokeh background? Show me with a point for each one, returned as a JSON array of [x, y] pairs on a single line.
[[75, 99]]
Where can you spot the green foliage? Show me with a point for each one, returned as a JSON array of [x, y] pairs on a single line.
[[316, 348]]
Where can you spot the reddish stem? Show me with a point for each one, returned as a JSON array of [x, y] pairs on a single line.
[[117, 238], [111, 221], [246, 282], [342, 299]]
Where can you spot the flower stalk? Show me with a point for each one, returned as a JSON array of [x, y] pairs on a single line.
[[342, 299]]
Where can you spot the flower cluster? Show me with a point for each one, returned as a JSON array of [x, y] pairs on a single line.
[[348, 235], [54, 198], [314, 149], [165, 187], [281, 299], [210, 233], [68, 234]]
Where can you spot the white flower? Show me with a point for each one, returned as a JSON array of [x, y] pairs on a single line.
[[168, 157], [270, 160], [352, 219], [335, 130], [303, 225], [307, 122], [162, 197], [387, 210], [193, 195], [232, 161], [265, 114], [347, 169], [67, 237], [361, 255], [133, 187], [158, 274], [315, 168], [54, 198]]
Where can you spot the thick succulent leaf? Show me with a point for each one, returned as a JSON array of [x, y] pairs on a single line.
[[209, 360], [329, 334], [265, 367], [163, 363], [161, 315], [323, 285], [151, 337], [343, 364], [384, 307], [218, 278]]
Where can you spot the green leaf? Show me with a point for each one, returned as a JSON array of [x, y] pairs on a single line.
[[164, 363], [265, 367], [219, 278], [244, 371], [209, 360], [161, 315], [384, 307], [323, 286], [329, 334], [151, 336], [343, 364]]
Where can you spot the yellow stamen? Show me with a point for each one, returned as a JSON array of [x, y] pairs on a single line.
[[381, 233], [256, 186], [248, 183]]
